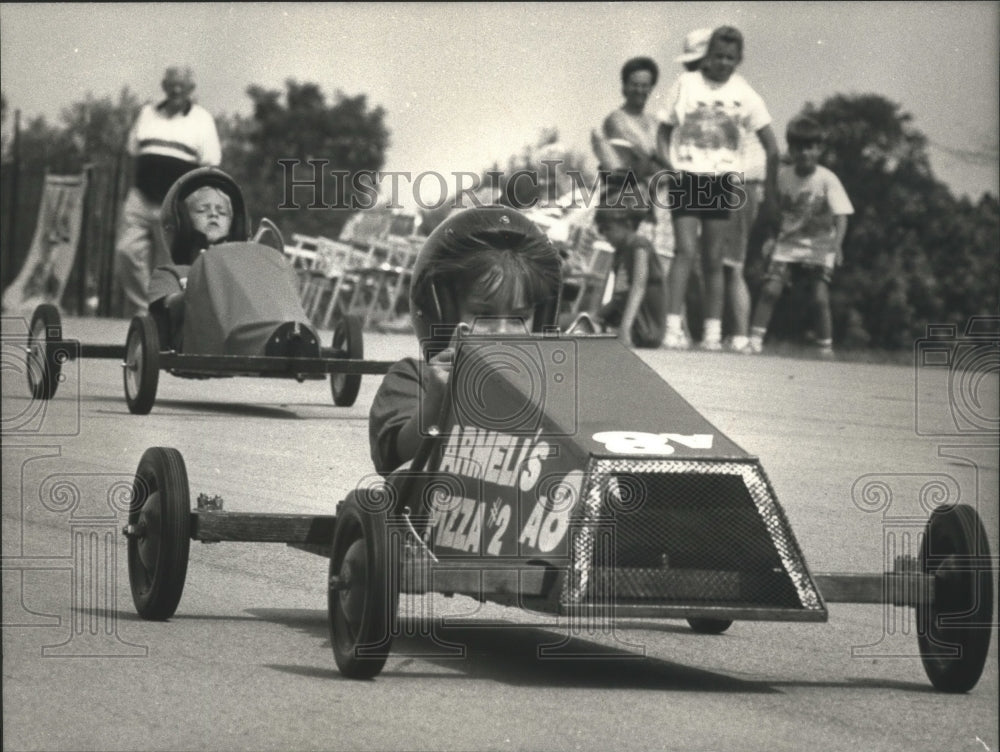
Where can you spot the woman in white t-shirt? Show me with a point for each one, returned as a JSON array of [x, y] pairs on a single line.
[[709, 114]]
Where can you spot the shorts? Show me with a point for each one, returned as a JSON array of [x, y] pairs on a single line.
[[659, 230], [742, 220], [789, 272], [703, 196]]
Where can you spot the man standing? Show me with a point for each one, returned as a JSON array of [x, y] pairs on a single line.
[[167, 140]]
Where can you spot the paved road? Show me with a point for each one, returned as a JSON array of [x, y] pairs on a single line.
[[246, 662]]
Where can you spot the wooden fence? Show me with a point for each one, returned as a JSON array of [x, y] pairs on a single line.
[[91, 278]]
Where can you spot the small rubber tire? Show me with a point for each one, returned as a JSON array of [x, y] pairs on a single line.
[[953, 632], [709, 626], [158, 548], [348, 339], [363, 601], [141, 370], [44, 364]]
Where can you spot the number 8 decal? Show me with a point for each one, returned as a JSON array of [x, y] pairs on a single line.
[[639, 442], [634, 442]]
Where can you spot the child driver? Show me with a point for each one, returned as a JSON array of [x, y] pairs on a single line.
[[488, 263], [203, 208]]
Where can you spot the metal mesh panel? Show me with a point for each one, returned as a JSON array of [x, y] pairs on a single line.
[[698, 533]]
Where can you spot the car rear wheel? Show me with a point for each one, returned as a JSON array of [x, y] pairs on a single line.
[[709, 626], [159, 533], [141, 369], [953, 631], [363, 591], [44, 363], [348, 342]]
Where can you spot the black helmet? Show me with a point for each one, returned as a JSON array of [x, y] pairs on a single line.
[[176, 224], [446, 265]]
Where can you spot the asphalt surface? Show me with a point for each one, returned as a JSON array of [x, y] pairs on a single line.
[[857, 454]]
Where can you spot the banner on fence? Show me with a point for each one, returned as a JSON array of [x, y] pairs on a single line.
[[50, 259]]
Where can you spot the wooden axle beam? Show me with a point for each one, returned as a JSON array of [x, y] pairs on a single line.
[[899, 588], [905, 586], [329, 362]]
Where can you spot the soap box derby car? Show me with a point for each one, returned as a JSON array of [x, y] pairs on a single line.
[[242, 316], [565, 476]]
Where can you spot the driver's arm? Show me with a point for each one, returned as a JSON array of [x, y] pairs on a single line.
[[430, 401]]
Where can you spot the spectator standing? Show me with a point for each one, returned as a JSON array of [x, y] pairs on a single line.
[[709, 113], [695, 47], [754, 159], [814, 211], [167, 140], [627, 142]]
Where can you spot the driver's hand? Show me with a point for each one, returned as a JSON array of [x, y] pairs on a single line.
[[440, 365], [438, 372]]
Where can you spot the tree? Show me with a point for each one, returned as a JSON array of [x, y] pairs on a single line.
[[90, 131], [98, 127], [914, 254], [298, 124]]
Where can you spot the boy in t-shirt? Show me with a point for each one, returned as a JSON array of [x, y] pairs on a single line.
[[814, 211]]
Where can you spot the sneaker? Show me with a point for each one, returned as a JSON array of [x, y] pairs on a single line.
[[676, 340], [738, 344], [755, 346], [712, 345], [824, 349]]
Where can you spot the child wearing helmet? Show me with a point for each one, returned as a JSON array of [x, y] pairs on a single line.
[[193, 210], [203, 208], [489, 267]]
